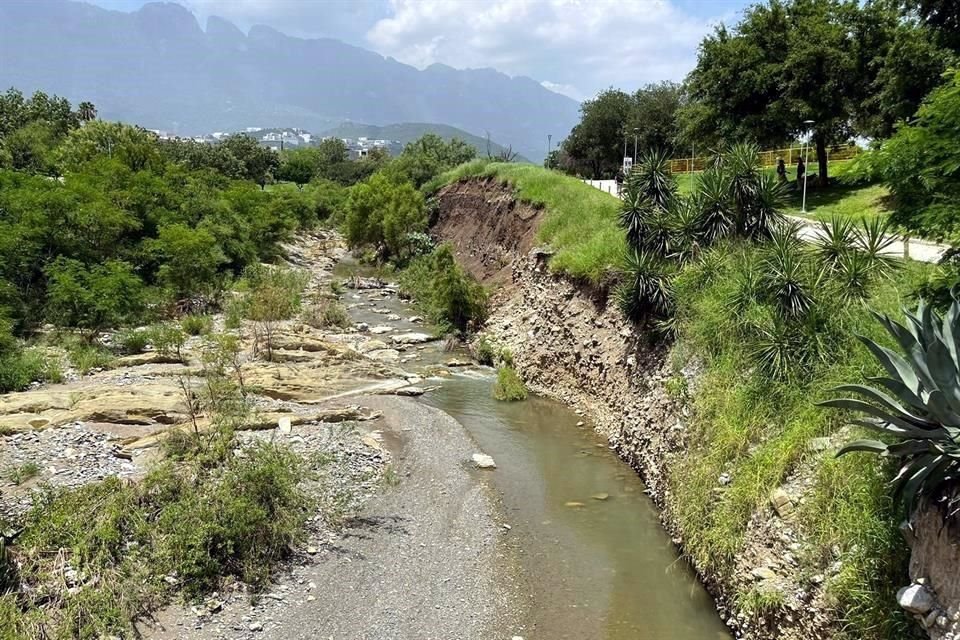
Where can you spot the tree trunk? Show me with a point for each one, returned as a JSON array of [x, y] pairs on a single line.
[[822, 178]]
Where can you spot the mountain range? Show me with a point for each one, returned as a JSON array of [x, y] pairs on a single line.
[[158, 68]]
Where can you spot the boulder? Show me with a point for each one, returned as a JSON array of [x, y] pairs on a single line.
[[917, 598]]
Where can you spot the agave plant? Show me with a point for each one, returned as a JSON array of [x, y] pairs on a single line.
[[919, 404], [645, 290]]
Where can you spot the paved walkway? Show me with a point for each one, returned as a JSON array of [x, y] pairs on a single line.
[[910, 248]]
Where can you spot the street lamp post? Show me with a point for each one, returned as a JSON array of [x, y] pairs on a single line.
[[806, 169], [636, 131], [549, 144], [624, 161]]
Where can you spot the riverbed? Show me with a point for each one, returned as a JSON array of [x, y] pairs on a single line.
[[595, 562]]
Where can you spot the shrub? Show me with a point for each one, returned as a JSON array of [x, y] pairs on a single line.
[[274, 295], [325, 314], [197, 523], [189, 260], [445, 292], [167, 340], [484, 351], [509, 387], [93, 298], [131, 341], [21, 473], [194, 325], [384, 213], [87, 357]]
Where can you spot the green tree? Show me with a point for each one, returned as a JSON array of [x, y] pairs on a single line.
[[86, 111], [429, 156], [383, 213], [189, 260], [830, 61], [93, 297], [921, 164], [258, 162], [298, 166], [596, 143], [133, 146], [31, 148]]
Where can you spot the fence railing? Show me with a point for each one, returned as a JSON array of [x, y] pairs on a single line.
[[768, 158]]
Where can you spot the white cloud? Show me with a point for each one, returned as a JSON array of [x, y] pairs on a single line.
[[582, 46], [565, 89]]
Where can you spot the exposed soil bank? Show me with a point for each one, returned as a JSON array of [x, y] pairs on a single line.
[[571, 347]]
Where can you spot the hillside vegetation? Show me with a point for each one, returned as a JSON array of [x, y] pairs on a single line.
[[756, 422]]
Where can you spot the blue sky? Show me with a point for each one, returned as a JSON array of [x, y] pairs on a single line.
[[575, 47]]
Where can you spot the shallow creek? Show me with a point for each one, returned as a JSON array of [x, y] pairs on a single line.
[[595, 561]]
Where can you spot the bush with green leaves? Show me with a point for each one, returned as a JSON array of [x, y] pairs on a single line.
[[327, 314], [446, 293], [509, 387], [196, 325], [167, 340], [131, 341], [917, 404], [198, 523], [93, 298], [383, 213]]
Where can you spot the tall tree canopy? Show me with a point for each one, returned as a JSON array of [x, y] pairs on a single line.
[[614, 120], [850, 68]]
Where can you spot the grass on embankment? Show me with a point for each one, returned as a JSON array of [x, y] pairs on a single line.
[[758, 431], [581, 221]]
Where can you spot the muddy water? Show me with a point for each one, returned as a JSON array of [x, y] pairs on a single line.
[[596, 563], [604, 570]]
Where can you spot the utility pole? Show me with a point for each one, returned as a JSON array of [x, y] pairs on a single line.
[[549, 144], [636, 132], [806, 169]]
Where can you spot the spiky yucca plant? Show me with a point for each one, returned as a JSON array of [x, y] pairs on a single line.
[[716, 210], [645, 290], [652, 178], [919, 406]]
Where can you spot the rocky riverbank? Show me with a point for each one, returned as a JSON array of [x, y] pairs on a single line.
[[396, 474]]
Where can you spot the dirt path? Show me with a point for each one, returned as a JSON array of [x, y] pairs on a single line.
[[425, 559]]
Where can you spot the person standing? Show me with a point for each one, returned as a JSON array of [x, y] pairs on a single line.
[[619, 179], [801, 171], [781, 170]]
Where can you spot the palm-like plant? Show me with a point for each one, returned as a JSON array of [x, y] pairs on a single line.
[[873, 238], [645, 290], [653, 179], [919, 406], [685, 229], [742, 164], [716, 209], [634, 213], [834, 240], [785, 274], [762, 213]]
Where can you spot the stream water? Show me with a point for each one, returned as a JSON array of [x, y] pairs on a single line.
[[595, 560]]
